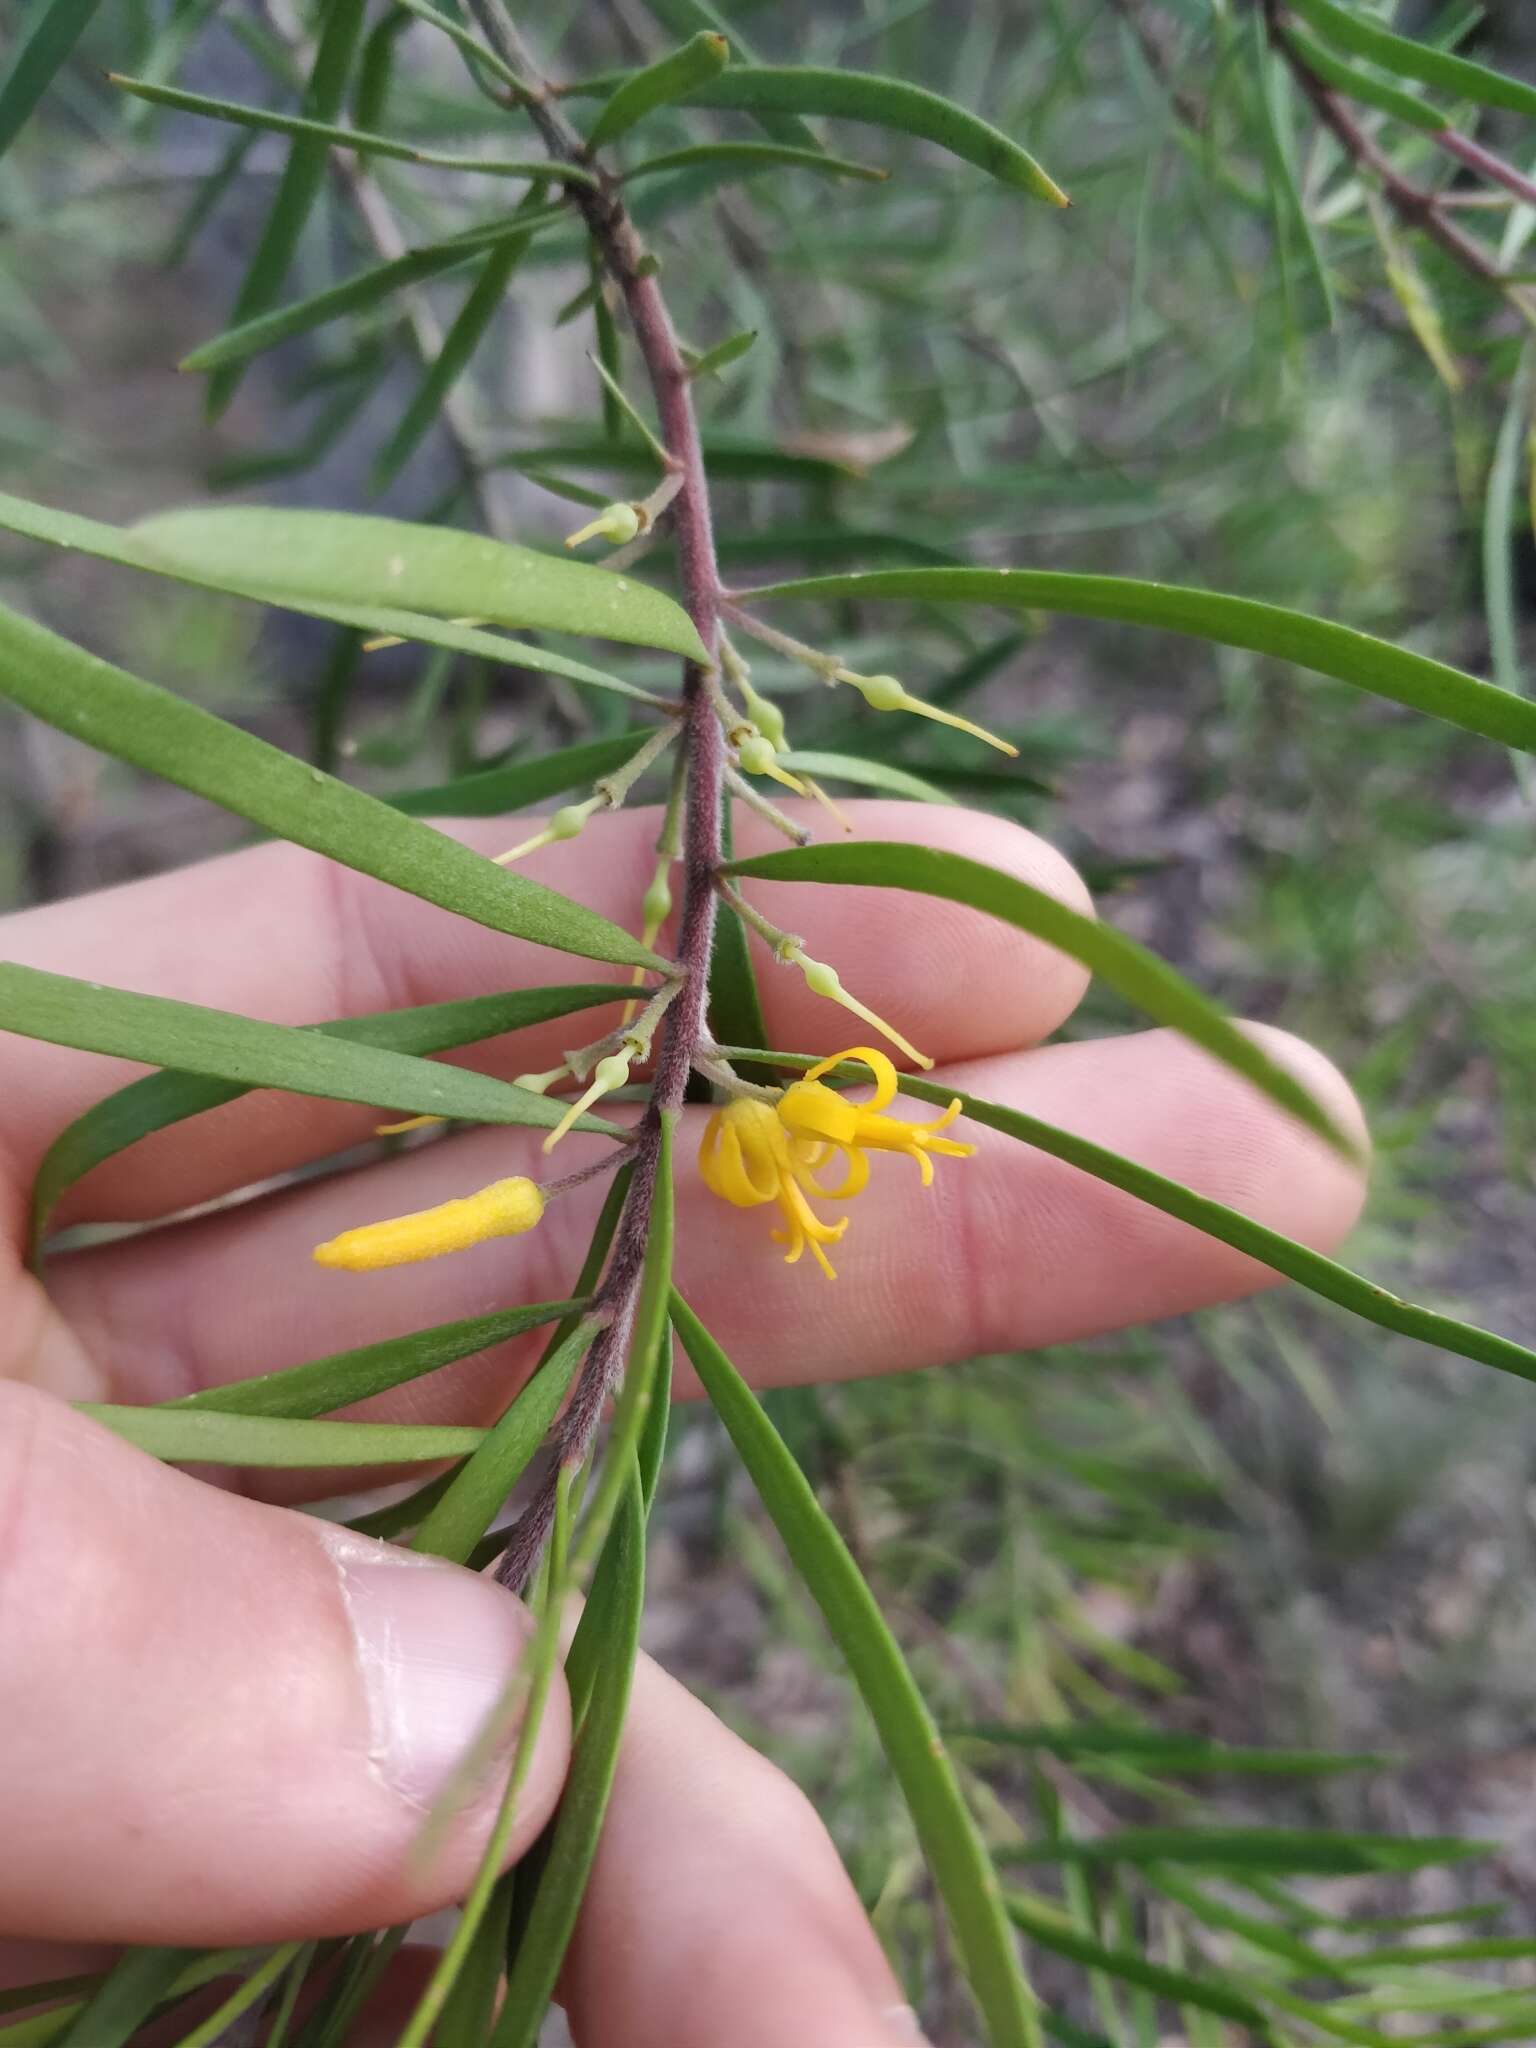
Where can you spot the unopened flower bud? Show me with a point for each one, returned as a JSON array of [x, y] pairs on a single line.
[[618, 523]]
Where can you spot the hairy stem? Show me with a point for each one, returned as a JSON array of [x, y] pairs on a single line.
[[684, 1030]]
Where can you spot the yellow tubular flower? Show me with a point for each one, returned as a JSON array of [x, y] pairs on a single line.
[[747, 1158], [505, 1209], [757, 1152], [812, 1111]]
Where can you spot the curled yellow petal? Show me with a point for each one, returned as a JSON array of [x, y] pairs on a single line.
[[505, 1209]]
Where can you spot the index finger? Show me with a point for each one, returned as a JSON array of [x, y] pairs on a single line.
[[284, 935]]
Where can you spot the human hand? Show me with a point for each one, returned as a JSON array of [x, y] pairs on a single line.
[[223, 1720]]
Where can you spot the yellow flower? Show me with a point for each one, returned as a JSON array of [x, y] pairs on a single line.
[[757, 1152], [505, 1209], [748, 1158], [812, 1111]]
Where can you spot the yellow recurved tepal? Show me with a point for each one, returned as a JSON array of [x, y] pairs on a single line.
[[755, 1152]]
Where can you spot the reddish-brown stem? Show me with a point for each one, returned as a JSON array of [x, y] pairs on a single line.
[[684, 1028], [1415, 205]]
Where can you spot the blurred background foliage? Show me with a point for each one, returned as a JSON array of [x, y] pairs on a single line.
[[1227, 365]]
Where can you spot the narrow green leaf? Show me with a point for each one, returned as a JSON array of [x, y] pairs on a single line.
[[469, 329], [687, 17], [1296, 1851], [357, 559], [159, 1100], [139, 722], [493, 792], [298, 1392], [1339, 651], [1493, 1948], [650, 1341], [1323, 1276], [361, 291], [205, 1436], [1405, 58], [269, 120], [121, 544], [724, 353], [882, 775], [481, 53], [480, 1488], [738, 158], [1053, 1931], [1361, 85], [208, 2032], [700, 59], [1259, 1934], [956, 1854], [1156, 1750], [162, 1032], [139, 1980], [601, 1665], [59, 27], [729, 457], [300, 184], [1153, 986], [883, 102], [735, 1004], [469, 2010]]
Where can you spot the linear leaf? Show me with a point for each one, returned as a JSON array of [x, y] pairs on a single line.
[[650, 1341], [883, 102], [493, 792], [1296, 1851], [722, 355], [1406, 58], [159, 1100], [1361, 85], [165, 1033], [601, 1667], [961, 1867], [137, 1982], [300, 184], [354, 559], [357, 293], [479, 1489], [1053, 1931], [736, 158], [206, 1436], [687, 17], [220, 2023], [139, 722], [884, 775], [40, 58], [1157, 989], [1339, 651], [469, 328], [122, 545], [1155, 1749], [670, 78], [298, 1392], [270, 121], [1298, 1262], [732, 457]]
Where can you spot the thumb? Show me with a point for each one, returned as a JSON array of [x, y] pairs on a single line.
[[223, 1721]]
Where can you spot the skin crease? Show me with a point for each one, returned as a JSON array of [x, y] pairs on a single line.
[[266, 1813]]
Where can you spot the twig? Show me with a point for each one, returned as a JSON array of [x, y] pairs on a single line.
[[622, 252], [1417, 206]]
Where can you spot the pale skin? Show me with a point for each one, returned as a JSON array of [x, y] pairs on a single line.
[[194, 1751]]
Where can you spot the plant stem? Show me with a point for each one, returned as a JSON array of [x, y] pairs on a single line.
[[684, 1030]]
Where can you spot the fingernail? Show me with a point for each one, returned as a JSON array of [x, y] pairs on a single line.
[[435, 1647]]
